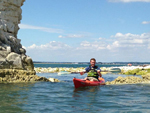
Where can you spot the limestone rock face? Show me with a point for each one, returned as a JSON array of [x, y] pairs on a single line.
[[12, 55]]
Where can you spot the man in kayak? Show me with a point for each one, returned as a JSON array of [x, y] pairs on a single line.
[[93, 71]]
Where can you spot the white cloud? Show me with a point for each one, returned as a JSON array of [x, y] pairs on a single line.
[[130, 40], [146, 22], [100, 38], [45, 29], [72, 36], [24, 47], [115, 44], [33, 46], [126, 1], [122, 47], [85, 44], [58, 51], [97, 45], [53, 45]]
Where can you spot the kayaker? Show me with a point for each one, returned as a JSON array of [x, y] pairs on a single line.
[[94, 72]]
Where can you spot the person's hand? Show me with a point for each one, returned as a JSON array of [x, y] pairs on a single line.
[[81, 73], [98, 71]]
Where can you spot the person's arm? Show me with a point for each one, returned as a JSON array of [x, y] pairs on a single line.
[[83, 72], [99, 72]]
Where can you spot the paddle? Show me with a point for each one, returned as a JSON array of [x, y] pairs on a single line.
[[67, 72]]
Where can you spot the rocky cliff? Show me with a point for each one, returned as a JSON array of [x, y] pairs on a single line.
[[12, 55]]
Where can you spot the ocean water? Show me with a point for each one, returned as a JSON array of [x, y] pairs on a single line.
[[46, 97]]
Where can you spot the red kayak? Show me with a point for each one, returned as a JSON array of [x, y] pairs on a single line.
[[83, 83]]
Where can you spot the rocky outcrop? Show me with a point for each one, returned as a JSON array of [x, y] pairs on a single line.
[[125, 80], [13, 76], [146, 78], [12, 55], [130, 80], [53, 80], [19, 76], [15, 65]]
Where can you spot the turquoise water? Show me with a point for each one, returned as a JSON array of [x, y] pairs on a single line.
[[46, 97]]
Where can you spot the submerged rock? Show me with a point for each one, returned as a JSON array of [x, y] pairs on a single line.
[[125, 80], [15, 76], [146, 78], [130, 80], [21, 78], [53, 80]]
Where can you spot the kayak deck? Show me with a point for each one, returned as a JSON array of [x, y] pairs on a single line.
[[83, 83]]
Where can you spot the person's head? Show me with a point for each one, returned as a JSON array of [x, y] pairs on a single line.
[[92, 62]]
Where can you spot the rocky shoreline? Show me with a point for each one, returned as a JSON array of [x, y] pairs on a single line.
[[16, 75], [55, 70], [19, 76], [128, 70], [15, 65]]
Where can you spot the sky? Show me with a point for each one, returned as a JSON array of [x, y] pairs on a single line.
[[77, 30]]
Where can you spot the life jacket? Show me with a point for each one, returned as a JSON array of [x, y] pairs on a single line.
[[93, 72]]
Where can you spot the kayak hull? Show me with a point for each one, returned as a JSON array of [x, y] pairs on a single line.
[[83, 83]]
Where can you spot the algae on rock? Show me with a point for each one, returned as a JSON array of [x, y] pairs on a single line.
[[14, 76], [136, 72], [130, 80]]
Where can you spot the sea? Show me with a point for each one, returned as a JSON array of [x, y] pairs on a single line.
[[62, 97]]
